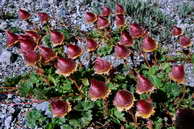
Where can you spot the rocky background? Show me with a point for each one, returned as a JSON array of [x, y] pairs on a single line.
[[12, 116]]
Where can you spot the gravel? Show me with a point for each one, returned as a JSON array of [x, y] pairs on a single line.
[[13, 116]]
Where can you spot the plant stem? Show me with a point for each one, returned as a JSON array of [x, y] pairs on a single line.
[[155, 58], [134, 118], [145, 58], [8, 87], [105, 104], [178, 102]]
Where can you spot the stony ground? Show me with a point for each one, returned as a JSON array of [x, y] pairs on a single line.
[[71, 11]]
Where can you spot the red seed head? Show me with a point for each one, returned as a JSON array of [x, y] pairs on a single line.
[[90, 17], [101, 66], [23, 14], [119, 9], [31, 57], [60, 108], [121, 51], [106, 11], [12, 39], [57, 38], [144, 109], [65, 66], [123, 100], [125, 39], [44, 17], [27, 45], [136, 31], [73, 51], [177, 74], [120, 20], [98, 90], [25, 37], [36, 37], [149, 44], [176, 31], [143, 85], [102, 22], [91, 45], [185, 41], [47, 54]]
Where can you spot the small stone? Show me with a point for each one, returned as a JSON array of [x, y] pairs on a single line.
[[5, 57], [2, 2], [16, 100], [1, 49], [8, 122], [9, 96], [3, 25], [44, 107], [45, 4], [28, 1]]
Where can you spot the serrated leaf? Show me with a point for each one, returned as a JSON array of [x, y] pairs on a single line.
[[34, 117], [113, 86], [84, 106], [25, 88], [75, 123], [105, 50], [117, 115]]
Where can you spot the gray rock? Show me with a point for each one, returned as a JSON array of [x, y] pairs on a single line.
[[8, 122], [3, 25], [28, 1], [44, 107], [45, 4], [1, 49], [3, 2], [189, 71], [5, 56]]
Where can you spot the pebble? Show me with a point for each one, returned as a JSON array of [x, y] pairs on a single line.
[[3, 25], [5, 56], [8, 122], [44, 107]]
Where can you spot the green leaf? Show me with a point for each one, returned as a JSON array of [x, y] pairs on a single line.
[[47, 41], [25, 88], [75, 123], [172, 90], [117, 115], [84, 106], [171, 128], [157, 82], [113, 86], [66, 127], [158, 123], [129, 126], [86, 118], [34, 118], [66, 33], [192, 58], [105, 50], [15, 30]]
